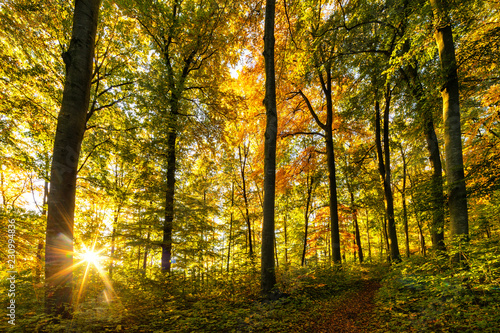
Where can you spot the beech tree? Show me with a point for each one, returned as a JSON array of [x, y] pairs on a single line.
[[384, 166], [268, 277], [457, 194], [67, 143]]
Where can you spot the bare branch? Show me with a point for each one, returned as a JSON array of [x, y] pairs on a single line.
[[93, 149], [284, 135]]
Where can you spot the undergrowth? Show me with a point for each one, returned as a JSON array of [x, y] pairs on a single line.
[[430, 294], [225, 303], [434, 294]]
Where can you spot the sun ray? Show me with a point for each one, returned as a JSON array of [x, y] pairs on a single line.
[[92, 258]]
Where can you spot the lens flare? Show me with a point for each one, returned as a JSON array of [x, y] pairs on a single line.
[[91, 257], [93, 260]]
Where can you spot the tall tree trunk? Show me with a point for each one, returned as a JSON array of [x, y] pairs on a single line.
[[67, 143], [230, 227], [354, 209], [403, 198], [457, 195], [356, 228], [146, 251], [113, 243], [2, 189], [276, 252], [326, 85], [286, 238], [385, 173], [437, 198], [368, 236], [386, 238], [166, 253], [268, 276], [421, 238], [334, 215], [309, 184], [245, 197], [39, 252]]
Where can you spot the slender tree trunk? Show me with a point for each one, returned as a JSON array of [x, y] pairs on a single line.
[[330, 156], [113, 243], [39, 252], [146, 251], [368, 236], [166, 256], [403, 198], [309, 184], [421, 238], [268, 277], [245, 198], [276, 252], [437, 197], [386, 238], [356, 228], [334, 215], [385, 173], [176, 85], [326, 85], [2, 189], [457, 195], [67, 144], [354, 217], [286, 238], [230, 228]]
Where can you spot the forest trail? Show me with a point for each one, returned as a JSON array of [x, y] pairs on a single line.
[[352, 313]]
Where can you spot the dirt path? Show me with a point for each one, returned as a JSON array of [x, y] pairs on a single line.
[[352, 314]]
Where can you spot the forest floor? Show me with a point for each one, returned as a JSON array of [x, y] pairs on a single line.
[[418, 295], [355, 312]]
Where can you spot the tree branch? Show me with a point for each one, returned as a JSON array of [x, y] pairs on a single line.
[[285, 135], [93, 149]]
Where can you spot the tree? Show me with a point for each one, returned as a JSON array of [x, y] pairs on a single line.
[[268, 277], [69, 136], [457, 195], [423, 104], [188, 38], [385, 172]]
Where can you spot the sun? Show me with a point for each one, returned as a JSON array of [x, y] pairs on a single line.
[[94, 261], [91, 257]]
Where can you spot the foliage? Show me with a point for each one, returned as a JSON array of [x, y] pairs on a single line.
[[203, 304], [432, 294]]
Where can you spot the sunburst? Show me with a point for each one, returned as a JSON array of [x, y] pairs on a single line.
[[93, 259]]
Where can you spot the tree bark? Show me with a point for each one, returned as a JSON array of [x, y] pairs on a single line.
[[230, 228], [437, 197], [403, 199], [245, 197], [268, 276], [113, 243], [334, 214], [385, 173], [309, 184], [326, 86], [457, 195], [166, 254], [71, 123], [356, 228], [368, 236]]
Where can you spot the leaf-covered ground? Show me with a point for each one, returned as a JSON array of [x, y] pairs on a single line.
[[418, 295], [353, 313]]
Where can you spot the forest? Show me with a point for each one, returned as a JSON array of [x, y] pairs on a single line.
[[250, 165]]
